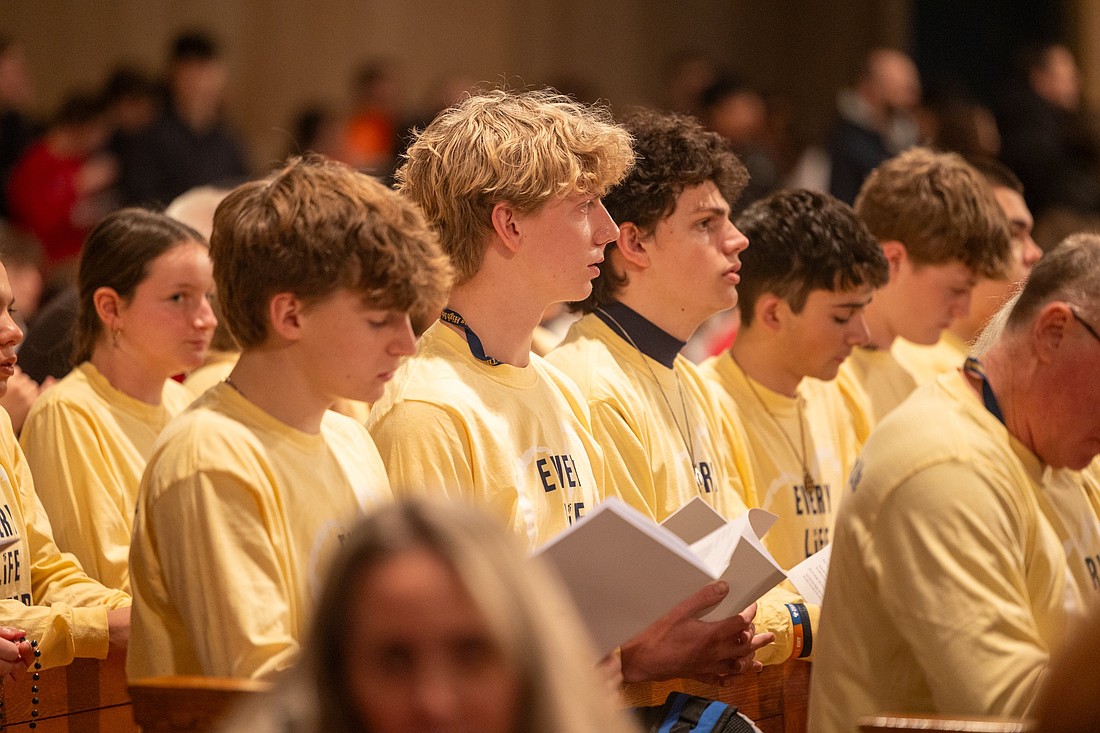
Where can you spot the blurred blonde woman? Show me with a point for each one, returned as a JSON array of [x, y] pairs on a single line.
[[433, 619]]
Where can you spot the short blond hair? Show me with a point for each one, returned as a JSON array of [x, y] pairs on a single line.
[[940, 208], [525, 148]]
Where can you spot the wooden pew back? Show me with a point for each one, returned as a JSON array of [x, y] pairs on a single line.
[[89, 696], [776, 699], [86, 696], [898, 723], [181, 704]]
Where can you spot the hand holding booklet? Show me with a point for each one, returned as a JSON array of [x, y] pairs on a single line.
[[624, 572]]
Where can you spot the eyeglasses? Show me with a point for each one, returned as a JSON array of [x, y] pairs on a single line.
[[1084, 323]]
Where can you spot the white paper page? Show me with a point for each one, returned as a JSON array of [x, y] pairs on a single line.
[[750, 575], [623, 571], [808, 576], [716, 549], [693, 521], [750, 569]]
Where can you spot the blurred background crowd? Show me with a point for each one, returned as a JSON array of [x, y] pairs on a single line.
[[117, 103]]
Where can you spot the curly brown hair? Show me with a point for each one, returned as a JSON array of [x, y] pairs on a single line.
[[673, 152], [315, 227]]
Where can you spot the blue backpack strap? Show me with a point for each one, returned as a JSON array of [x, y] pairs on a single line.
[[673, 716], [710, 717]]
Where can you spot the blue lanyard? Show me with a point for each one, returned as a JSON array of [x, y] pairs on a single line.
[[974, 368], [452, 317]]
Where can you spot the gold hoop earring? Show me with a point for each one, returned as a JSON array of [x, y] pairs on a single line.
[[115, 336]]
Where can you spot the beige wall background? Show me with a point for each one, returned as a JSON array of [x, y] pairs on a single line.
[[284, 53]]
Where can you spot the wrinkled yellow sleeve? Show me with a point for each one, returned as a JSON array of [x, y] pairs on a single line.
[[67, 610], [82, 496]]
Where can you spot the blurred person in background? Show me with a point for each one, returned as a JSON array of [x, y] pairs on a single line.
[[371, 136], [190, 144], [59, 188], [17, 128], [876, 120], [1050, 139]]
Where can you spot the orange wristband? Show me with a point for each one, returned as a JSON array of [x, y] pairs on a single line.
[[803, 634]]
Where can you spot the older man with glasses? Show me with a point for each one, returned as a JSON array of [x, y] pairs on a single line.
[[954, 571]]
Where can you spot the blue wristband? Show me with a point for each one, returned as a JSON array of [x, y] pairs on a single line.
[[803, 634]]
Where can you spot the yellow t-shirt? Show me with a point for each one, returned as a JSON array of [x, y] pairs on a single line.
[[514, 441], [884, 382], [649, 464], [948, 586], [639, 421], [238, 517], [220, 365], [776, 426], [925, 363], [1071, 501], [44, 591], [217, 367], [87, 444]]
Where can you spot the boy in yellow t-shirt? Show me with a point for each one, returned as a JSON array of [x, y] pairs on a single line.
[[249, 491], [513, 183], [940, 229], [474, 415], [805, 282], [926, 363], [674, 264]]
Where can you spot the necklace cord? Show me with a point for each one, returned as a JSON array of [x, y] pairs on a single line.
[[685, 432], [803, 458]]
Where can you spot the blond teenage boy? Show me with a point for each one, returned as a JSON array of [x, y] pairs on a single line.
[[805, 283], [249, 492], [513, 183], [940, 229]]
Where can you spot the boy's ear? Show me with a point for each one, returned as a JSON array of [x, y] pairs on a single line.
[[895, 253], [767, 311], [506, 224], [633, 245], [285, 311]]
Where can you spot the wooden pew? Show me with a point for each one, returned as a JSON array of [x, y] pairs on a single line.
[[87, 696], [775, 698], [181, 704], [90, 696], [901, 723]]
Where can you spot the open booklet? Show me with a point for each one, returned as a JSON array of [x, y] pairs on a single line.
[[808, 577], [624, 572]]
